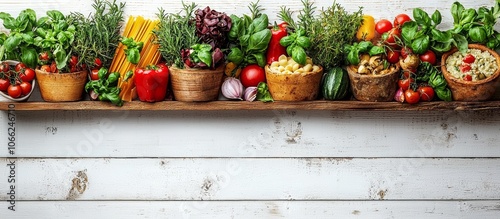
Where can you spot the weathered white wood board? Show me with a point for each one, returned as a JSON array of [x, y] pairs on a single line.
[[254, 179], [256, 209], [256, 134], [266, 164]]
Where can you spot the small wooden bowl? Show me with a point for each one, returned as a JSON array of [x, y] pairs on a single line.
[[294, 87], [373, 88], [462, 90], [61, 87], [196, 85]]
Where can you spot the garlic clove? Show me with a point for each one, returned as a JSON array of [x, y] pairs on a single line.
[[250, 94], [232, 88]]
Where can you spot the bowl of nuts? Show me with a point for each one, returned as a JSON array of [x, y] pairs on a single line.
[[289, 81], [473, 75]]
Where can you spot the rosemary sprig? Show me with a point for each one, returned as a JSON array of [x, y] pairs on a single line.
[[176, 32], [98, 35], [255, 9]]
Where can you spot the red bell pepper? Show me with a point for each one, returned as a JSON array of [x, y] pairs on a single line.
[[151, 82], [275, 49]]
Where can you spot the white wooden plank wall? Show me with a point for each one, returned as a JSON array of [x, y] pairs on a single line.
[[252, 164]]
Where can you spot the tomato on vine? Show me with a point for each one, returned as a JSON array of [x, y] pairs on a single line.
[[4, 84], [426, 92], [393, 56], [14, 91], [429, 56], [400, 19], [383, 26], [412, 96], [25, 87]]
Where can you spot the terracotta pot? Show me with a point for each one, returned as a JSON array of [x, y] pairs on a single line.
[[294, 87], [191, 85], [373, 88], [61, 87], [462, 90]]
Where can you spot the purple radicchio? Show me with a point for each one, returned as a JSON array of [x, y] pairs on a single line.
[[212, 27]]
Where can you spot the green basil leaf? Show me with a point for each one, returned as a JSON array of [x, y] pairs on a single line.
[[263, 93], [234, 32], [304, 42], [364, 46], [260, 58], [42, 22], [353, 57], [289, 49], [29, 56], [259, 41], [30, 15], [421, 17], [258, 24], [420, 45], [436, 17], [12, 42], [408, 31], [460, 42], [205, 57], [376, 50], [286, 41], [244, 40], [444, 94], [8, 21], [205, 47], [478, 35], [299, 55], [456, 11], [133, 55], [236, 55], [441, 36], [61, 57], [55, 15], [441, 47]]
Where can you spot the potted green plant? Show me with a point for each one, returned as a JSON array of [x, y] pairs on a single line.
[[192, 46]]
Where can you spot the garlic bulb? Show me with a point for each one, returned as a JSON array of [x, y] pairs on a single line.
[[232, 88], [250, 94]]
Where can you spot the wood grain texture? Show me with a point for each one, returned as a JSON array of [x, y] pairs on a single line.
[[254, 209], [255, 179]]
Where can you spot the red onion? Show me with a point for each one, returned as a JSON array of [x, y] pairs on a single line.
[[399, 96], [250, 94], [232, 88]]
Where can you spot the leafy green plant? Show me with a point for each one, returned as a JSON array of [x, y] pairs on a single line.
[[249, 37], [19, 43]]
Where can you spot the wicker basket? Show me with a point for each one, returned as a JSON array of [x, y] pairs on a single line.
[[373, 88], [294, 87], [61, 87], [193, 85], [481, 90]]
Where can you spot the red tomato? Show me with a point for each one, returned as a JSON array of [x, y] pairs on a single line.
[[97, 63], [392, 56], [28, 75], [20, 66], [405, 52], [4, 84], [469, 58], [467, 77], [401, 19], [14, 91], [44, 56], [45, 68], [4, 67], [428, 56], [53, 67], [94, 74], [252, 75], [426, 93], [405, 83], [383, 26], [73, 60], [25, 88], [390, 36], [465, 68], [412, 96]]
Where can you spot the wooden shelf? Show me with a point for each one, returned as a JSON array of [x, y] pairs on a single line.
[[243, 105]]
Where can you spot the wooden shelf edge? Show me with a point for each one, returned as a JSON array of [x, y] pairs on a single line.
[[243, 105]]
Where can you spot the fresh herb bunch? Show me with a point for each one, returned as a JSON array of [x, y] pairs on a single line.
[[334, 28], [249, 37], [19, 44], [98, 35], [176, 32]]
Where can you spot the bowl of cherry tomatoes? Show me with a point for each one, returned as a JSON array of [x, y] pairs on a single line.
[[17, 81]]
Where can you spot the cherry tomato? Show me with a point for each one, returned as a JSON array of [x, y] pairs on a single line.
[[4, 67], [252, 75], [405, 52], [44, 56], [383, 26], [401, 19], [469, 58], [28, 75], [428, 56], [20, 66], [405, 83], [390, 36], [426, 93], [392, 56], [45, 68], [53, 67], [412, 96], [94, 74], [25, 88], [14, 91], [367, 30], [97, 63], [467, 77], [73, 60], [4, 84], [465, 68]]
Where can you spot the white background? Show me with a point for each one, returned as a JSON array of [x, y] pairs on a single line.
[[253, 164]]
